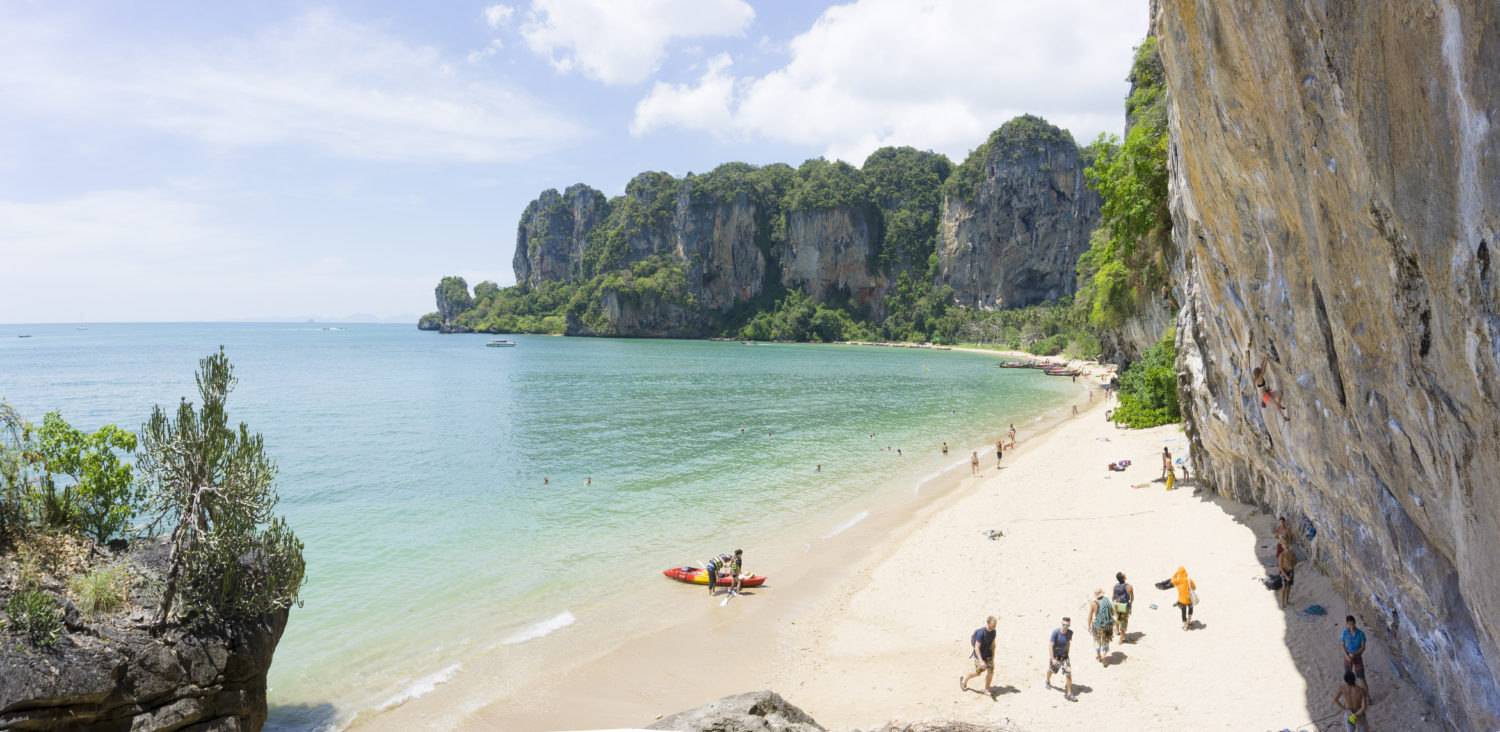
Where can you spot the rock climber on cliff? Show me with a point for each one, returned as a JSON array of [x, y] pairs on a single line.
[[1267, 394]]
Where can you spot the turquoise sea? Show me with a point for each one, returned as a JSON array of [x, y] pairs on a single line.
[[413, 466]]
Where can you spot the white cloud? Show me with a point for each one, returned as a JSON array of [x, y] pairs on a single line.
[[320, 81], [940, 74], [489, 50], [619, 42], [496, 15], [702, 107]]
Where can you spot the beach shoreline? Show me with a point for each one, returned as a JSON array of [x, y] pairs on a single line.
[[802, 570]]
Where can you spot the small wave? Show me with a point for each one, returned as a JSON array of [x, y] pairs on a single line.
[[928, 478], [421, 687], [861, 516], [542, 629]]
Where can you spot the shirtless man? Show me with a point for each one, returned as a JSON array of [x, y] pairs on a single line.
[[1287, 563], [945, 449], [1353, 700], [999, 449]]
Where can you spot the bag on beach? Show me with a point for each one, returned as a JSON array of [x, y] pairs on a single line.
[[1192, 597]]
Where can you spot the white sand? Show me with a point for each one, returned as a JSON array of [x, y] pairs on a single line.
[[876, 628]]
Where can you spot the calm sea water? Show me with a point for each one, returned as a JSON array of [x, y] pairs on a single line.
[[413, 464]]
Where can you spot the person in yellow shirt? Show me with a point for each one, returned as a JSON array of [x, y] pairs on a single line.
[[1185, 587]]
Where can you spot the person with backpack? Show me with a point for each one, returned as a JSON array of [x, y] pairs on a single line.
[[1102, 625], [983, 656], [1124, 598]]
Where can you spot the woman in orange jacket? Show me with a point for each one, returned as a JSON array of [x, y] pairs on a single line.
[[1185, 587]]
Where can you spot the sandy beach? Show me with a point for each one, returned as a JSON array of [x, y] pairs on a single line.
[[873, 625]]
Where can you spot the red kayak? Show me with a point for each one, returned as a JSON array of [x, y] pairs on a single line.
[[699, 576]]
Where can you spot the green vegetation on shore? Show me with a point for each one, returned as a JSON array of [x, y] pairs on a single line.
[[209, 483], [1148, 389]]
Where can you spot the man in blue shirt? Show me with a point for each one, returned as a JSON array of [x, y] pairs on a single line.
[[1057, 653], [1354, 652], [983, 656]]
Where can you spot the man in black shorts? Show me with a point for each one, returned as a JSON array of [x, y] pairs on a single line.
[[1057, 653], [1287, 563]]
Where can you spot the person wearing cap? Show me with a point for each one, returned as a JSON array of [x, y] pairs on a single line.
[[1057, 654]]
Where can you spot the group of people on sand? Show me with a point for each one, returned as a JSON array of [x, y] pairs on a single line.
[[1353, 696], [725, 565], [1108, 618], [1001, 445]]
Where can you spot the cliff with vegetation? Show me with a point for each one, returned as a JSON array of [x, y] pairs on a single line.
[[749, 251], [1334, 177], [1016, 216]]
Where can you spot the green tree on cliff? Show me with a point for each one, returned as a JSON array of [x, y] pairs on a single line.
[[230, 555]]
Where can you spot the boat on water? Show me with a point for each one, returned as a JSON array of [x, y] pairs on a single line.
[[24, 335], [699, 576], [500, 343]]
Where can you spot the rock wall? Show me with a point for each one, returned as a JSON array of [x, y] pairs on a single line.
[[1018, 241], [111, 673], [830, 250], [550, 237], [1335, 171], [716, 240]]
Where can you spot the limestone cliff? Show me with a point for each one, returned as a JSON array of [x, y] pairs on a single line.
[[1335, 174], [551, 236], [832, 250], [1012, 237]]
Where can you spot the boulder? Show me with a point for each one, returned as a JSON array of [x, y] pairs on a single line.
[[756, 711]]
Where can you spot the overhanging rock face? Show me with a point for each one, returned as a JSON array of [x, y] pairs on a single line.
[[1335, 172]]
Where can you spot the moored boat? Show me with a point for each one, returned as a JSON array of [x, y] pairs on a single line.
[[500, 343], [699, 576]]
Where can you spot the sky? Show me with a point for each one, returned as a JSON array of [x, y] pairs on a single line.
[[192, 161]]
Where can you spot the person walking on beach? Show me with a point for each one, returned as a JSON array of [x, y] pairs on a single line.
[[1185, 587], [1124, 598], [999, 450], [1075, 410], [1102, 625], [1355, 701], [1354, 653], [1287, 563], [983, 656], [1012, 434], [974, 464], [1057, 658]]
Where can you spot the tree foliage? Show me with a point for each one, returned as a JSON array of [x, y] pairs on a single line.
[[231, 556], [59, 478], [1127, 257], [1148, 388]]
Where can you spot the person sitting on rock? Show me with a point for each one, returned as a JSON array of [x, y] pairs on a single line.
[[1267, 394]]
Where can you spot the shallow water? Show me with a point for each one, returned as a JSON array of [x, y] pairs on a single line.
[[413, 466]]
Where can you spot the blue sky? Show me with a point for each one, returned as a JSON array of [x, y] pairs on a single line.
[[224, 161]]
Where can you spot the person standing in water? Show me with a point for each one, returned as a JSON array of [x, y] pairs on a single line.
[[974, 464], [1012, 434], [945, 449]]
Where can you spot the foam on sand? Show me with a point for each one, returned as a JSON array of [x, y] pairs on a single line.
[[542, 629], [421, 687], [841, 528]]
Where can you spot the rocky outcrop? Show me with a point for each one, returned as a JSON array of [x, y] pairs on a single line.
[[551, 236], [1016, 239], [453, 298], [645, 318], [716, 240], [1335, 174], [756, 711], [110, 673], [832, 250]]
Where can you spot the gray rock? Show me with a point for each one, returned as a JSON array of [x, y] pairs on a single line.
[[1018, 241], [110, 673], [756, 711], [1335, 181]]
